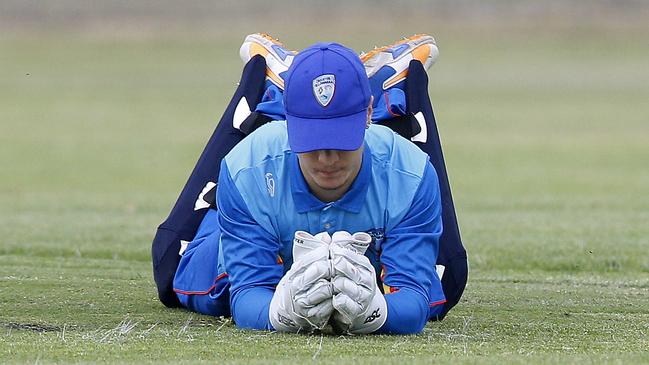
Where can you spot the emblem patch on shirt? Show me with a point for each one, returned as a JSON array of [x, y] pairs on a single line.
[[323, 88]]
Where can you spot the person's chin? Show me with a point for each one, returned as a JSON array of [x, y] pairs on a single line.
[[330, 182]]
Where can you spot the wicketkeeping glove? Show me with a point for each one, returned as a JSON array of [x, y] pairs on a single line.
[[303, 297], [359, 304]]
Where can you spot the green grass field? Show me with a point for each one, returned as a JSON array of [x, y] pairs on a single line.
[[546, 137]]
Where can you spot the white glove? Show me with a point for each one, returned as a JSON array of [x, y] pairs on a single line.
[[306, 246], [303, 297], [359, 304]]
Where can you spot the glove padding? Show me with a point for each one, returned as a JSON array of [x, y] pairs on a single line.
[[303, 297], [359, 304]]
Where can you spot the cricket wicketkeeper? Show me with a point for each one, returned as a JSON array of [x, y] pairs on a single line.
[[322, 216]]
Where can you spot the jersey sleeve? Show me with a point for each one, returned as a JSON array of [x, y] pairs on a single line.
[[409, 256], [250, 256]]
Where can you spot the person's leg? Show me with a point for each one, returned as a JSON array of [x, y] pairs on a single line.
[[189, 210], [401, 102], [201, 282]]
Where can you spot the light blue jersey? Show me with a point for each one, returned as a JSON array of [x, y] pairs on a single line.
[[263, 199]]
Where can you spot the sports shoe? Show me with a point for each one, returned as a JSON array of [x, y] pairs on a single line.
[[278, 57], [391, 62]]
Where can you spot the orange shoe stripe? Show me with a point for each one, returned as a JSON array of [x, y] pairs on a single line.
[[421, 53], [256, 48], [395, 79], [275, 78]]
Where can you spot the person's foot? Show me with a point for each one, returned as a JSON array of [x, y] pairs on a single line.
[[278, 57], [390, 63]]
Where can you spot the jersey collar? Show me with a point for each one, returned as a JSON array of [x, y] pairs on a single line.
[[353, 199]]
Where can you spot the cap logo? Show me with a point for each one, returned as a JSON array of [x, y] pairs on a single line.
[[323, 88]]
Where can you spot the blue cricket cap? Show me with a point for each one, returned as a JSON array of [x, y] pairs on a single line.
[[326, 97]]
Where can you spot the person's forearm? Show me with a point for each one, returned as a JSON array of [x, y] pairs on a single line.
[[250, 308], [407, 313]]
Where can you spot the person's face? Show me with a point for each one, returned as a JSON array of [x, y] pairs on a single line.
[[330, 173]]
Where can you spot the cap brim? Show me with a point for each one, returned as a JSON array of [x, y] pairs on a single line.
[[342, 133]]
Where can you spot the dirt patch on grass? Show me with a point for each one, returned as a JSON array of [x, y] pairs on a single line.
[[36, 327]]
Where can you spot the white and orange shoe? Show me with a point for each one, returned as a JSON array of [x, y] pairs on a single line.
[[391, 62], [278, 57]]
